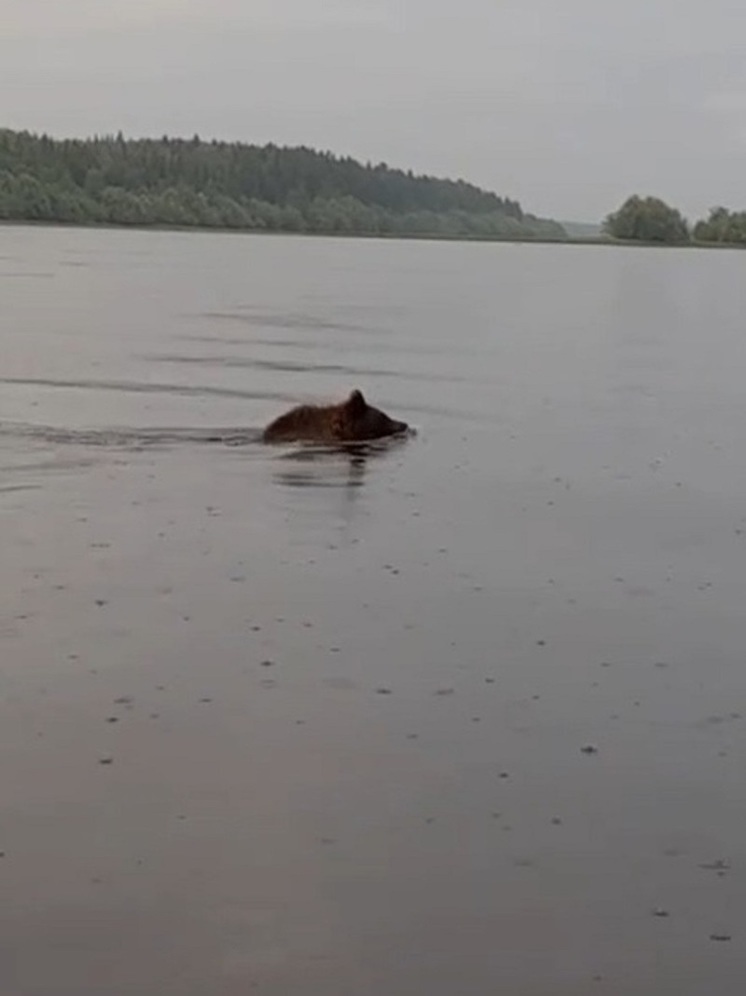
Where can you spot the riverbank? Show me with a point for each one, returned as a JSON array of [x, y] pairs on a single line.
[[385, 236]]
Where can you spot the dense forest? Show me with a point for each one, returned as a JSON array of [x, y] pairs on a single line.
[[652, 220], [177, 182]]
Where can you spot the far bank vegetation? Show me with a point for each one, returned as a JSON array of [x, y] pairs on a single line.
[[651, 220], [210, 184]]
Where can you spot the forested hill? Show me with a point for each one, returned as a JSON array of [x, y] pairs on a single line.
[[113, 180]]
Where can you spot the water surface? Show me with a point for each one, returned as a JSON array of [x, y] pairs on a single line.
[[460, 714]]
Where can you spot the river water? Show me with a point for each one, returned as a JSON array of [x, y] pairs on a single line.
[[462, 714]]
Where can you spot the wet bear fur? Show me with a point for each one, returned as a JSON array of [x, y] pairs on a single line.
[[352, 421]]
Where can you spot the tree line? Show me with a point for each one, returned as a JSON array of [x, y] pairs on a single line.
[[649, 219], [190, 182]]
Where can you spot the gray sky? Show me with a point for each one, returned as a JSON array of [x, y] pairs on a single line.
[[567, 105]]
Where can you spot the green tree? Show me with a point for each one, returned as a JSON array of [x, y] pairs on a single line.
[[647, 219], [722, 226], [116, 180]]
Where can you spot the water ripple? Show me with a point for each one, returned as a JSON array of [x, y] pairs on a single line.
[[131, 438], [140, 387]]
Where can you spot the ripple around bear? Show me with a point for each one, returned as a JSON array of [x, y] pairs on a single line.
[[354, 420]]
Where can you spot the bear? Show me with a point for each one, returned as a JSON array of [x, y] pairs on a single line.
[[352, 421]]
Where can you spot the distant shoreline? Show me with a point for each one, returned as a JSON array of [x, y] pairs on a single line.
[[384, 236]]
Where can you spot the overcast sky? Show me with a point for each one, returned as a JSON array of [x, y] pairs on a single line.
[[567, 105]]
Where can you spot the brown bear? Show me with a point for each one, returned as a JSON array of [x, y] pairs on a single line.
[[351, 421]]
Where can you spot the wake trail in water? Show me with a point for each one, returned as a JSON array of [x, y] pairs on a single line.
[[130, 438]]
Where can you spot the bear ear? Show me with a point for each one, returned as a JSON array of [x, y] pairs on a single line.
[[356, 402]]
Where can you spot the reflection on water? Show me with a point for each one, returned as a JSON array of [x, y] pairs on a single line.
[[326, 469], [340, 466]]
